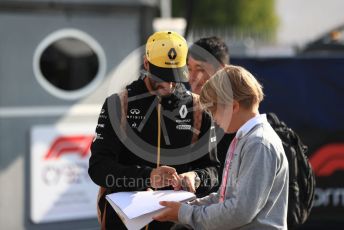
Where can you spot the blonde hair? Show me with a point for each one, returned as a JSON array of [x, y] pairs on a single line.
[[231, 82]]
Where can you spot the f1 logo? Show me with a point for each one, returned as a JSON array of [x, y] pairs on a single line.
[[328, 159], [135, 111], [63, 145]]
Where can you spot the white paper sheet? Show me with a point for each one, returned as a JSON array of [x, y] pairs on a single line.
[[137, 208]]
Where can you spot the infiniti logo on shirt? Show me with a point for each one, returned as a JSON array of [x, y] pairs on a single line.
[[134, 114], [135, 111]]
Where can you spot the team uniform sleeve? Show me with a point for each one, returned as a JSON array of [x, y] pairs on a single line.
[[104, 168]]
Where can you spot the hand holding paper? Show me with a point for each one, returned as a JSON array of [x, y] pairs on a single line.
[[170, 213], [136, 209]]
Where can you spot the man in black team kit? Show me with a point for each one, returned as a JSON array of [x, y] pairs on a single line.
[[154, 118]]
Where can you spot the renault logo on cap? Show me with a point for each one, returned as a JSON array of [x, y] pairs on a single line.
[[172, 54]]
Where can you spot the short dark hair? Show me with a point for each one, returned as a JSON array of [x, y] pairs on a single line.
[[214, 45]]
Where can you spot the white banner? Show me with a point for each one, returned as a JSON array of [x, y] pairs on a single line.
[[60, 186]]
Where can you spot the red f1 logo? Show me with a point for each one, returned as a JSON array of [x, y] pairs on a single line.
[[69, 145], [328, 159]]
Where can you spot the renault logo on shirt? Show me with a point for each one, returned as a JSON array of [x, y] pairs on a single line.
[[135, 111], [183, 111]]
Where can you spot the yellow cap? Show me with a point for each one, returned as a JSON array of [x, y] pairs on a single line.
[[166, 52]]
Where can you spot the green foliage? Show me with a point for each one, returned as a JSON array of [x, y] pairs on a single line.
[[255, 15]]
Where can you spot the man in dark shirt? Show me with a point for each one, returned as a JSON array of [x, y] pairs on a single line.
[[206, 56], [154, 121]]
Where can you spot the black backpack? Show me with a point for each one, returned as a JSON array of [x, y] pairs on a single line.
[[301, 175]]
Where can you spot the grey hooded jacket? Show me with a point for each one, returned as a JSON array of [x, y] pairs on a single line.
[[256, 194]]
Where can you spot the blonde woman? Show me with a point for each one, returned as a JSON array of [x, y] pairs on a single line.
[[254, 189]]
